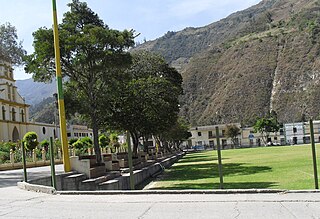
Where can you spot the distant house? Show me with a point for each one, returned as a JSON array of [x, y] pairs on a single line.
[[299, 132], [206, 135]]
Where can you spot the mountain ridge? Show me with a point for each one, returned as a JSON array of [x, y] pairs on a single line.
[[256, 60]]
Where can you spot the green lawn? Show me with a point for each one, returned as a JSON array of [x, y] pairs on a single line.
[[286, 167]]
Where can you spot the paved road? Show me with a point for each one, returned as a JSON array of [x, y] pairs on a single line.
[[11, 177], [16, 203]]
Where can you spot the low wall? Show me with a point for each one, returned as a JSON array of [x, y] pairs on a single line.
[[79, 182], [40, 163], [123, 182]]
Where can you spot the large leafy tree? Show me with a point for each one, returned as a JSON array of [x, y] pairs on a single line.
[[92, 56], [11, 49], [148, 103], [232, 132], [267, 125], [176, 134]]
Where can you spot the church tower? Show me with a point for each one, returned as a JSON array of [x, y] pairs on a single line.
[[14, 112]]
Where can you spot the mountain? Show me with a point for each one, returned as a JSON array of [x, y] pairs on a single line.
[[260, 59], [35, 92]]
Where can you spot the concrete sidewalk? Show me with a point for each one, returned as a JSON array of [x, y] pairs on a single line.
[[16, 203]]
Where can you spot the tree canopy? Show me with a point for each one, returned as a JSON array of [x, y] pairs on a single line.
[[148, 103], [266, 125], [11, 49], [232, 132], [92, 57]]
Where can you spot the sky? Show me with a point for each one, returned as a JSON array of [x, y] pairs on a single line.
[[150, 18]]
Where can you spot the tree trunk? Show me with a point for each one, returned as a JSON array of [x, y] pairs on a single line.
[[95, 130], [145, 144], [135, 141]]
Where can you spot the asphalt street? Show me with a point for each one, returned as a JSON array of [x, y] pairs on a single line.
[[11, 177], [17, 203]]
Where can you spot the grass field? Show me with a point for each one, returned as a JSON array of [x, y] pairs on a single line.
[[286, 167]]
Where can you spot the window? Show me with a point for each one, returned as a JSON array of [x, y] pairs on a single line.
[[199, 134], [9, 92], [294, 130], [275, 138], [3, 113], [22, 116], [68, 134], [210, 134], [223, 132], [281, 132], [44, 130], [224, 142], [13, 112]]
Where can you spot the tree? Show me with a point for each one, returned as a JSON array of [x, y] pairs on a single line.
[[266, 125], [176, 134], [104, 141], [92, 56], [232, 132], [11, 49], [30, 140], [148, 102], [114, 140]]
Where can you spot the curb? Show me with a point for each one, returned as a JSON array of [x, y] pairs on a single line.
[[158, 192], [53, 191], [36, 188]]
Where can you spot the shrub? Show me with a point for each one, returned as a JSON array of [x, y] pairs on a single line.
[[72, 140], [78, 144], [44, 144], [87, 142], [30, 140], [103, 141]]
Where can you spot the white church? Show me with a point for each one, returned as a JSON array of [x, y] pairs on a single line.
[[14, 116]]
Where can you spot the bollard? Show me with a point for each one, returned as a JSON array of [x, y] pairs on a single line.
[[11, 156], [59, 154], [34, 158], [43, 154]]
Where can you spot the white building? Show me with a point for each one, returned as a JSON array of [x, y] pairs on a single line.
[[14, 114], [78, 131], [206, 135]]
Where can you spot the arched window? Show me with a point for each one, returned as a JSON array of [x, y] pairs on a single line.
[[3, 113], [44, 130], [13, 112], [22, 115], [9, 92]]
